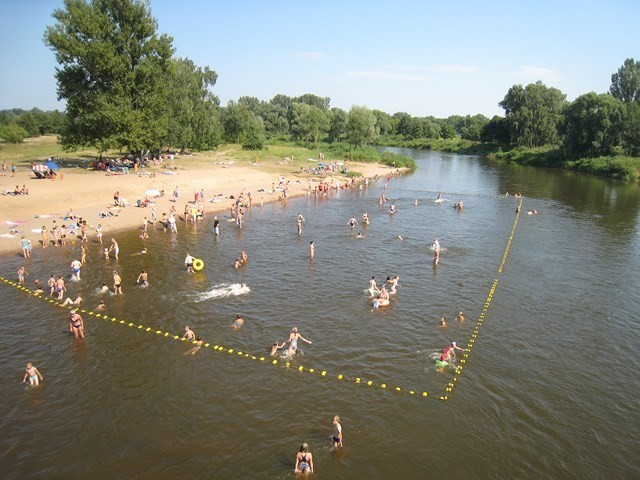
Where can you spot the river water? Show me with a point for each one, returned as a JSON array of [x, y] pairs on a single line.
[[549, 389]]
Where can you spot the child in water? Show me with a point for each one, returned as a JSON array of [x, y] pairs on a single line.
[[33, 374]]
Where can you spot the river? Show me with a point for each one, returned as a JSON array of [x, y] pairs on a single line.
[[549, 389]]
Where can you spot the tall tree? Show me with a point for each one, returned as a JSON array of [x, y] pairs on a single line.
[[337, 124], [533, 114], [625, 84], [193, 109], [593, 125], [308, 122], [113, 70], [361, 126]]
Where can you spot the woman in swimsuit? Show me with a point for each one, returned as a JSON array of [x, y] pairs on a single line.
[[304, 460], [293, 341], [76, 324]]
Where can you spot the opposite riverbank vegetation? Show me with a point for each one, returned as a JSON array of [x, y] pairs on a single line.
[[595, 133]]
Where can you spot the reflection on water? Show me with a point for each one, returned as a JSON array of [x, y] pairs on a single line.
[[551, 379]]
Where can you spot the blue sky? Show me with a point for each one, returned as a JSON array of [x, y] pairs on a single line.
[[421, 57]]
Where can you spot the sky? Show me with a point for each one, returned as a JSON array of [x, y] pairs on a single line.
[[424, 58]]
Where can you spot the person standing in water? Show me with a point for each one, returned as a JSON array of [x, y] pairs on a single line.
[[312, 250], [143, 279], [117, 284], [114, 246], [33, 374], [300, 221], [216, 226], [352, 222], [293, 341], [75, 269], [188, 263], [337, 432], [304, 460]]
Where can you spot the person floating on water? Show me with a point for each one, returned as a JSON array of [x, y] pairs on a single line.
[[238, 322]]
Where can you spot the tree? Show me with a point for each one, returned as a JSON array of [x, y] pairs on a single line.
[[533, 114], [383, 122], [193, 109], [447, 131], [593, 125], [495, 131], [308, 122], [361, 126], [253, 137], [113, 71], [236, 119], [625, 84], [13, 133], [337, 124]]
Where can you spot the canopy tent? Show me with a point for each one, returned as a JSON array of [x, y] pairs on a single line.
[[52, 165]]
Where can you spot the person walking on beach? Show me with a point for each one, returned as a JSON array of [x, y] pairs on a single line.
[[33, 374], [26, 247], [117, 284], [4, 168], [304, 460], [44, 236]]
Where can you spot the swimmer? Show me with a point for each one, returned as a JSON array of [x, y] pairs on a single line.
[[51, 283], [399, 237], [21, 273], [188, 263], [237, 263], [300, 221], [373, 286], [75, 269], [101, 306], [352, 222], [359, 236], [275, 347], [394, 284], [415, 202], [76, 324], [114, 246], [460, 317], [33, 374], [293, 341], [392, 208], [60, 287], [104, 288], [68, 301], [442, 322], [143, 279], [365, 218], [436, 244], [237, 323], [38, 286], [198, 345], [312, 250], [188, 333], [337, 432], [216, 226], [448, 353], [244, 257], [304, 460], [436, 256], [106, 254], [117, 284]]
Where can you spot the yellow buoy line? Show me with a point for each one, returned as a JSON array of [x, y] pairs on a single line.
[[471, 342], [231, 351], [300, 368]]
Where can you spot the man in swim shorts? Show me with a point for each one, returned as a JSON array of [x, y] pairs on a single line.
[[188, 263], [337, 432], [75, 269]]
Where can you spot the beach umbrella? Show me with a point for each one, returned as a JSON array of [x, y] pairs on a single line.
[[152, 193], [52, 165]]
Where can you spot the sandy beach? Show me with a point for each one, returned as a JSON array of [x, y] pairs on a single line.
[[89, 193]]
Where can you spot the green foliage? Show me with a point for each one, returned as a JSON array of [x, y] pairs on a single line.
[[113, 73], [253, 137], [308, 122], [337, 124], [193, 119], [624, 168], [625, 84], [361, 126], [593, 125], [533, 114], [13, 133]]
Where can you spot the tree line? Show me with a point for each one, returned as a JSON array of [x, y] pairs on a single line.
[[125, 89]]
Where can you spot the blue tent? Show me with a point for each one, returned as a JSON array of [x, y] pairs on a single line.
[[52, 165]]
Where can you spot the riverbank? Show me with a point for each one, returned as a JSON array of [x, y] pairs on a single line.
[[90, 193]]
